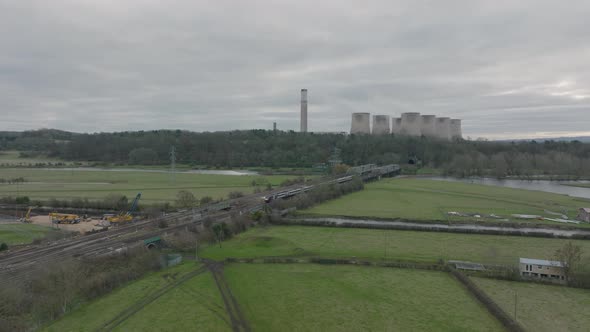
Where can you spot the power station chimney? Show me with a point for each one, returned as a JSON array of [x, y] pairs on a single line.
[[303, 110]]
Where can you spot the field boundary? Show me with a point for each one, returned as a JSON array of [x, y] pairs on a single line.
[[509, 323], [338, 261]]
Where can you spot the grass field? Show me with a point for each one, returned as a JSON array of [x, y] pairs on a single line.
[[22, 233], [422, 199], [308, 297], [12, 158], [376, 244], [541, 307], [194, 305], [44, 184]]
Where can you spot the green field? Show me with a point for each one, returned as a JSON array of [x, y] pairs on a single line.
[[422, 199], [22, 233], [376, 244], [194, 305], [12, 158], [541, 307], [309, 297], [44, 184]]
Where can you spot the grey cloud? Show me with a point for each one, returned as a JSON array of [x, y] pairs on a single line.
[[124, 65]]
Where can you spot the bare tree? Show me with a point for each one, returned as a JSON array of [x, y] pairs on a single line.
[[569, 255]]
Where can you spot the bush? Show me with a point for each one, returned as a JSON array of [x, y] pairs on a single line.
[[23, 200], [290, 182], [3, 246], [206, 200], [235, 194], [116, 202]]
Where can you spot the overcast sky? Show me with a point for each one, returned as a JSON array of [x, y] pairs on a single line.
[[507, 68]]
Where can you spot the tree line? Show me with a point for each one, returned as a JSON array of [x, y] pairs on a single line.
[[251, 148]]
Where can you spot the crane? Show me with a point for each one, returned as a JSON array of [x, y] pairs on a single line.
[[126, 216], [27, 217]]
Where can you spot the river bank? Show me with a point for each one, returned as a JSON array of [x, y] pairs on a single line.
[[492, 229]]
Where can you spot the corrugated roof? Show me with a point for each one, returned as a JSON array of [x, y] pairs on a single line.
[[543, 262]]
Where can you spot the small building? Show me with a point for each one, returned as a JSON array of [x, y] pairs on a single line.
[[542, 269], [584, 214]]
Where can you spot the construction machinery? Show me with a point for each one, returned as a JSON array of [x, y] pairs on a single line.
[[127, 216], [27, 217], [64, 218]]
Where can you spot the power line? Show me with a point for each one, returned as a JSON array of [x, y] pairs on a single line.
[[173, 163]]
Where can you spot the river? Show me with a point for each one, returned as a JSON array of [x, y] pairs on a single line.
[[556, 187], [407, 225]]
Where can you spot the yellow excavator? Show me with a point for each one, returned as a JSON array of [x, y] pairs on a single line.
[[64, 218], [127, 216], [27, 217]]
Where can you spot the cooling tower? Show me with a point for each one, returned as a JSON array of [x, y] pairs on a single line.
[[303, 110], [396, 126], [428, 126], [443, 128], [411, 124], [361, 123], [456, 129], [380, 124]]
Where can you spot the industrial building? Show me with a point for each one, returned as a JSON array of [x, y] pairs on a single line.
[[456, 129], [409, 124], [443, 128], [396, 126], [428, 126], [381, 125], [361, 123]]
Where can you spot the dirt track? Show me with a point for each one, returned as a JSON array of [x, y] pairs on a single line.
[[238, 321]]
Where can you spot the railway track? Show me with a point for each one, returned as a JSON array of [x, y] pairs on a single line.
[[19, 265]]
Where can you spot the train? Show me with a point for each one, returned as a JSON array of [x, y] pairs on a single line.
[[293, 192]]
